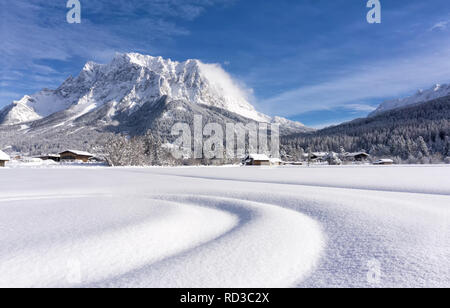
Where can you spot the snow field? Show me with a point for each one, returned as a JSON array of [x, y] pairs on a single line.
[[356, 226]]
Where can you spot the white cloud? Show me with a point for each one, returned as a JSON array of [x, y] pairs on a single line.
[[234, 88], [34, 33], [442, 25], [360, 107]]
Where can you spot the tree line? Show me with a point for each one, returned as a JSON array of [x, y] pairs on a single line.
[[416, 134]]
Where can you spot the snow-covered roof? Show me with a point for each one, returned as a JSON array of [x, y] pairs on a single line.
[[385, 161], [320, 154], [356, 154], [275, 160], [81, 153], [4, 156], [260, 157]]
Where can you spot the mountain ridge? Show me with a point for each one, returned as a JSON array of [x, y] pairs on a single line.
[[421, 96], [130, 95], [131, 80]]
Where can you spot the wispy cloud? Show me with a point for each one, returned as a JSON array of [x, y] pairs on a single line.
[[442, 25], [361, 107], [35, 32], [311, 55], [38, 30], [376, 80]]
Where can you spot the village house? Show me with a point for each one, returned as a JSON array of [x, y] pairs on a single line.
[[54, 157], [358, 156], [76, 155], [256, 160], [261, 160], [316, 156], [3, 158]]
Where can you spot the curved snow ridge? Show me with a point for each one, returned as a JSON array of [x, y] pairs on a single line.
[[123, 234], [271, 247], [153, 241]]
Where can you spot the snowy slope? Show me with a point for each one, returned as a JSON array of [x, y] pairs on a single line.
[[131, 81], [18, 112], [226, 227], [421, 96], [4, 156]]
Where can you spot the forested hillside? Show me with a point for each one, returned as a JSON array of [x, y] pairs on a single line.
[[413, 134]]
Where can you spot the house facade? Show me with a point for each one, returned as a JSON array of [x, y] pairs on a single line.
[[3, 158], [358, 156], [256, 160], [71, 155], [54, 157]]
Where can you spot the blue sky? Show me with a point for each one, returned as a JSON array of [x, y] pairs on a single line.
[[316, 61]]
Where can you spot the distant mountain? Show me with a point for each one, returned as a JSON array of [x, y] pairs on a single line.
[[132, 80], [420, 97], [132, 94]]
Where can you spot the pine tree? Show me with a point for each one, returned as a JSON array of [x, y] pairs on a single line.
[[422, 146]]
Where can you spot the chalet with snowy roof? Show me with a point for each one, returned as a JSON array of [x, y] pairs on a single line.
[[256, 160], [3, 158], [316, 156], [54, 157], [75, 155], [358, 156]]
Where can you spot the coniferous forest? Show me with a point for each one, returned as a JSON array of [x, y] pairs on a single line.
[[415, 134]]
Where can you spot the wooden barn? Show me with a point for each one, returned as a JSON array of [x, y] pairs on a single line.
[[3, 158], [256, 160], [316, 156], [54, 157], [76, 155], [359, 156]]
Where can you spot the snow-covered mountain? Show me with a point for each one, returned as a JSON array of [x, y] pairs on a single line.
[[118, 91], [421, 96]]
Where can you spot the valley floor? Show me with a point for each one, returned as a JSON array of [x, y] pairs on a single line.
[[361, 226]]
